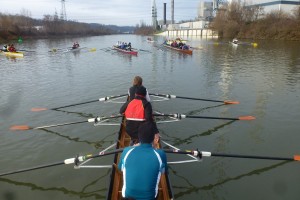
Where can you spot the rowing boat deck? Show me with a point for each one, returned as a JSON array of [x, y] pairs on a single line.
[[116, 183]]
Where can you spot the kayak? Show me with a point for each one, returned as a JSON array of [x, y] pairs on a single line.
[[186, 51], [125, 51], [12, 54]]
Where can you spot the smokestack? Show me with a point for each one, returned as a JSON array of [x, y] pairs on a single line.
[[165, 13], [172, 11]]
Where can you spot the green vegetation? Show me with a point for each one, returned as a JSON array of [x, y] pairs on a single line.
[[242, 21], [13, 26]]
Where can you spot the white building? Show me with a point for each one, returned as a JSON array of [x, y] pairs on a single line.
[[205, 10], [274, 5]]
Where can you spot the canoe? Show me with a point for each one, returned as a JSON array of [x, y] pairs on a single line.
[[125, 51], [116, 178], [12, 54], [186, 51]]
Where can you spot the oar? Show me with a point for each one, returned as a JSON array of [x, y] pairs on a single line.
[[254, 44], [55, 50], [181, 116], [95, 120], [201, 154], [26, 50], [76, 161], [76, 104], [92, 49], [141, 50], [171, 96]]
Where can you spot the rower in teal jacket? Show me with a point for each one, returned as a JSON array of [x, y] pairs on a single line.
[[142, 166]]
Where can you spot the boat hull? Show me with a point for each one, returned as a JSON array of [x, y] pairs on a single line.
[[13, 54], [125, 51], [116, 182], [186, 51]]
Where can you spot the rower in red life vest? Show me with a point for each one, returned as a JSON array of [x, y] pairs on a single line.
[[136, 112]]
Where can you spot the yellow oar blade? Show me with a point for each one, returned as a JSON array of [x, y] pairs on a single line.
[[254, 44], [92, 49], [246, 118], [38, 109], [231, 102], [19, 128]]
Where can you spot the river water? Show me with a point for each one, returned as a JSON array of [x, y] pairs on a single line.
[[265, 79]]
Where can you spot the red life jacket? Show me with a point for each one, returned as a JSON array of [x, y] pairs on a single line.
[[135, 111]]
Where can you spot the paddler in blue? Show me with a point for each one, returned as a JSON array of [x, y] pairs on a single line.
[[136, 112], [142, 166]]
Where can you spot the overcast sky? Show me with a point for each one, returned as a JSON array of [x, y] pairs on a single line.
[[117, 12]]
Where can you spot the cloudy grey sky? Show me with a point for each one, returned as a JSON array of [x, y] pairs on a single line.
[[117, 12]]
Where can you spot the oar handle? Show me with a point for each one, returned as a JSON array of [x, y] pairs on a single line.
[[75, 104], [181, 116], [171, 96], [75, 161], [201, 154], [92, 101]]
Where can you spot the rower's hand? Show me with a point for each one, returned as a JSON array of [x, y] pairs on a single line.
[[156, 139]]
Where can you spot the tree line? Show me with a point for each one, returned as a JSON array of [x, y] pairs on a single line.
[[243, 21], [13, 26]]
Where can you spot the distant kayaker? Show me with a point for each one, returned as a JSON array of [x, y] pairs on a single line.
[[11, 48], [75, 45], [136, 112], [142, 166], [235, 41]]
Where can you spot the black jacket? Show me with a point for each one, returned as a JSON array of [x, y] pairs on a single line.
[[133, 126]]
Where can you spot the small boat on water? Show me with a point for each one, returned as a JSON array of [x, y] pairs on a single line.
[[186, 51], [127, 51], [150, 40], [116, 178], [12, 54], [71, 49], [234, 42]]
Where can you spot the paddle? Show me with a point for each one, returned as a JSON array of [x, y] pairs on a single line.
[[181, 116], [171, 96], [26, 127], [75, 161], [201, 154], [76, 104]]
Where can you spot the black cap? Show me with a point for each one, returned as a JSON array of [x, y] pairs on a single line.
[[141, 90], [146, 132]]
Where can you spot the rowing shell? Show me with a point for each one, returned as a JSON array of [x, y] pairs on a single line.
[[125, 51], [116, 181], [187, 51], [12, 54]]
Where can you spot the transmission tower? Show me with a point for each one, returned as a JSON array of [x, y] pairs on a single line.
[[63, 14]]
